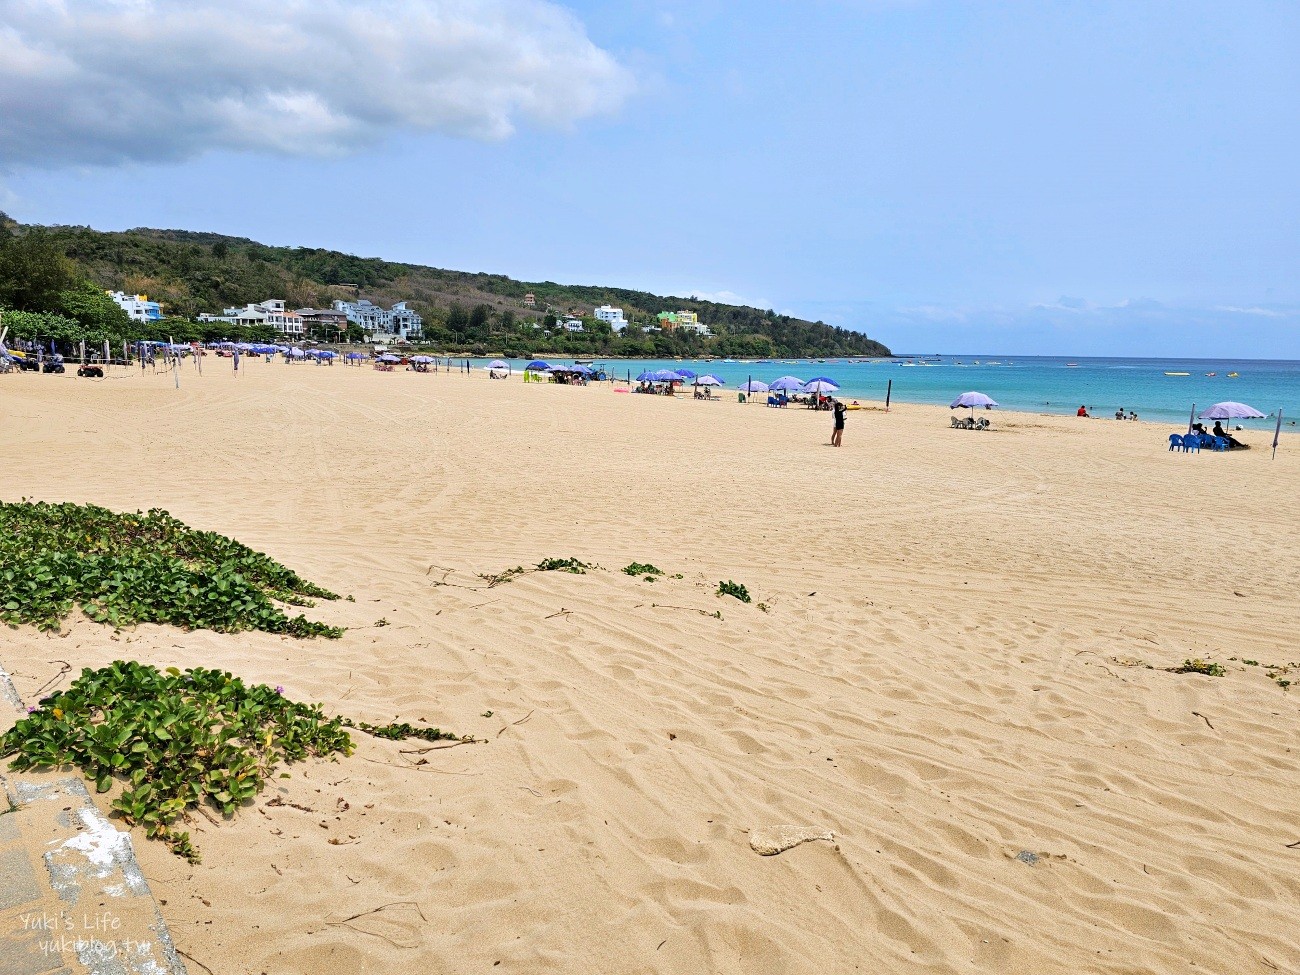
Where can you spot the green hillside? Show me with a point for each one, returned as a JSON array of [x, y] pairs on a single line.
[[192, 272]]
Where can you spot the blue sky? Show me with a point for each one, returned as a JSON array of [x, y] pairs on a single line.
[[1072, 178]]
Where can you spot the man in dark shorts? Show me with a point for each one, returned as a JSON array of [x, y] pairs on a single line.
[[838, 433]]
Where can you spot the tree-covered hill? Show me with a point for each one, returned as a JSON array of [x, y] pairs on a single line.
[[192, 272]]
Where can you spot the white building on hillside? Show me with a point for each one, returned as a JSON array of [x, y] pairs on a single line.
[[572, 324], [383, 324], [614, 316], [138, 307], [269, 312]]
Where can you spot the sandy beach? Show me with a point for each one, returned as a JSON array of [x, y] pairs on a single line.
[[957, 667]]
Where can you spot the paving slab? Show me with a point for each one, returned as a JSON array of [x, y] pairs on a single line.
[[72, 898]]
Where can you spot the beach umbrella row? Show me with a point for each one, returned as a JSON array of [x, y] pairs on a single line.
[[660, 376]]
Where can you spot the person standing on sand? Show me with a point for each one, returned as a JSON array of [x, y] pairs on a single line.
[[837, 434]]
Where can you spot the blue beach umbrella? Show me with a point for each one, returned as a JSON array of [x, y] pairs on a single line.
[[787, 382], [709, 381], [685, 373], [537, 365], [665, 376], [754, 386]]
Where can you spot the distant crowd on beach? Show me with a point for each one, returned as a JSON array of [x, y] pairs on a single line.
[[1119, 414]]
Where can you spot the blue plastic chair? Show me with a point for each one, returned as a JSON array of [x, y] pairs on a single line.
[[1220, 443], [1192, 442], [1175, 441]]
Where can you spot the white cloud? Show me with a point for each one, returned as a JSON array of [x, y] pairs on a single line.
[[934, 313], [111, 81], [1261, 312]]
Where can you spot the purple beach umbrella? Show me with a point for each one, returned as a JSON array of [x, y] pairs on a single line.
[[1231, 411]]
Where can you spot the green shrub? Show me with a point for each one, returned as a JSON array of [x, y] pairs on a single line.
[[643, 569], [141, 568], [735, 589], [175, 739], [1199, 666], [178, 739], [564, 565]]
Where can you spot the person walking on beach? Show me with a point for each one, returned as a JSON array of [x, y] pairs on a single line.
[[837, 434]]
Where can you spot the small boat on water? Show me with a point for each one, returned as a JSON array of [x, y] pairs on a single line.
[[1178, 374], [1071, 365], [1211, 374], [1233, 375]]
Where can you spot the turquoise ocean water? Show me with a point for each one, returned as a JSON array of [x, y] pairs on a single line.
[[1028, 383]]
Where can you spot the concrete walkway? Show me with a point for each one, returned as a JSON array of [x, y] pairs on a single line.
[[72, 897]]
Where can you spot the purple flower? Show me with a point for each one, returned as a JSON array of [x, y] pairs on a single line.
[[31, 709], [279, 688]]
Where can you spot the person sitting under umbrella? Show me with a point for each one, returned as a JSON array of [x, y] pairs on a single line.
[[1233, 442]]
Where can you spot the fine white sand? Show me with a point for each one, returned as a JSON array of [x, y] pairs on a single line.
[[960, 659]]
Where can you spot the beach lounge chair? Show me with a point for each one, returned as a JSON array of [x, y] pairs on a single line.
[[957, 422], [1175, 441], [983, 423]]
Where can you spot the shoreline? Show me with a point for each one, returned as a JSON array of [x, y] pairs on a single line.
[[957, 652]]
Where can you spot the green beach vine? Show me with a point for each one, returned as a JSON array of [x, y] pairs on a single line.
[[149, 567], [178, 739]]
